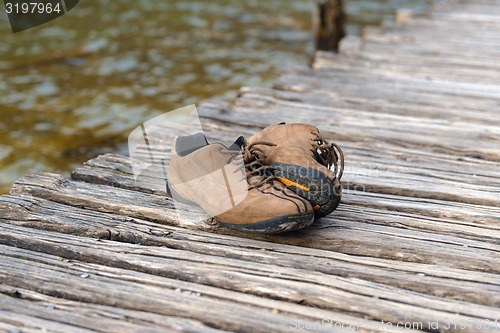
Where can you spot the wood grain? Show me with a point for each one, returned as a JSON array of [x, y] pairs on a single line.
[[415, 105]]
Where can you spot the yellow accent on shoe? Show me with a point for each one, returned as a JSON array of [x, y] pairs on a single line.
[[317, 207], [288, 182]]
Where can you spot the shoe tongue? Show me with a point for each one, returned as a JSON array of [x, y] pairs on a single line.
[[237, 144]]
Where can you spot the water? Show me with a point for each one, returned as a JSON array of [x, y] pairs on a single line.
[[73, 88]]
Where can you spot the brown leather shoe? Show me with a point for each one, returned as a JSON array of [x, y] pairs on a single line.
[[234, 186], [302, 159]]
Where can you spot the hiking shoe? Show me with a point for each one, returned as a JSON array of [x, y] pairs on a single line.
[[232, 185], [302, 158]]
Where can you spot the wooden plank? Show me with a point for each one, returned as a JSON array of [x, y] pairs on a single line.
[[46, 215], [420, 132], [428, 108], [466, 46], [487, 6], [459, 17], [359, 237], [465, 49], [313, 103], [29, 311], [466, 59], [322, 80], [111, 286], [420, 29], [414, 32], [390, 90], [394, 67], [464, 62], [133, 291], [435, 30]]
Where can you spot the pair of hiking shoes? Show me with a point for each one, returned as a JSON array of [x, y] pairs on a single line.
[[280, 179]]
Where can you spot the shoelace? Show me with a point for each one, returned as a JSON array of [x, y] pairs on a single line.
[[330, 154], [253, 161]]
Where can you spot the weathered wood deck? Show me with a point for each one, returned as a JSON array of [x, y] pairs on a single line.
[[415, 106]]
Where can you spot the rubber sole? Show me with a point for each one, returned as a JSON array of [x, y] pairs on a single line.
[[271, 226], [275, 225], [312, 185]]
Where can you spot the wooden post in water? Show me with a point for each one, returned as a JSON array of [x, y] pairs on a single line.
[[328, 23]]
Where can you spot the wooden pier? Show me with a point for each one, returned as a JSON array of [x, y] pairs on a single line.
[[415, 105]]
